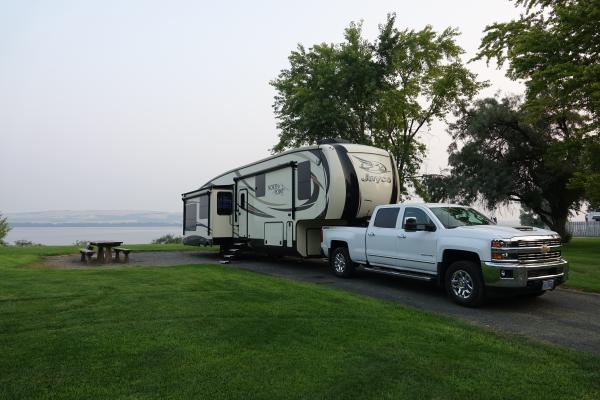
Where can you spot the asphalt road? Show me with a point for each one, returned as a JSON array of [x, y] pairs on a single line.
[[561, 317]]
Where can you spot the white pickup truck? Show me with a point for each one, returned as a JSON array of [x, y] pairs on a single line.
[[455, 246]]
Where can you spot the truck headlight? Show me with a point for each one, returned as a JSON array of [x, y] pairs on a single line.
[[497, 244], [499, 256]]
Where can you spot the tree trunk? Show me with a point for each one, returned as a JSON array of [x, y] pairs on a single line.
[[400, 168], [559, 225]]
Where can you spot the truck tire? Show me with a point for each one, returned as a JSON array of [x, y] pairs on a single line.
[[341, 264], [464, 284]]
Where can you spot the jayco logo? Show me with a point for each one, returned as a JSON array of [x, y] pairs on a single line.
[[277, 189], [376, 179], [374, 167]]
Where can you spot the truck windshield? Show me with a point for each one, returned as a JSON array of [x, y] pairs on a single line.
[[452, 217]]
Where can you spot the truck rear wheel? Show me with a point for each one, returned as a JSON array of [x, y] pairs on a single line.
[[341, 264], [464, 284]]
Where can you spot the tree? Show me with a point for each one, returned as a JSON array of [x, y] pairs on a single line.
[[529, 218], [435, 188], [499, 155], [383, 93], [4, 228], [555, 48], [588, 177]]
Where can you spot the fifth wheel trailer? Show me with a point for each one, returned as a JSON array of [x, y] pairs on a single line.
[[279, 204]]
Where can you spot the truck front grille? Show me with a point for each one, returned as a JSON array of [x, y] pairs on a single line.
[[537, 243], [538, 256]]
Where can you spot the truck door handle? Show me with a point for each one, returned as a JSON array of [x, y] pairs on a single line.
[[371, 234], [402, 236]]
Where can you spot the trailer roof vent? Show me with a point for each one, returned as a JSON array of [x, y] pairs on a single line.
[[332, 141]]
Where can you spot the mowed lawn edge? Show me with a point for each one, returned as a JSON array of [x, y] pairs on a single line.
[[583, 255], [214, 332]]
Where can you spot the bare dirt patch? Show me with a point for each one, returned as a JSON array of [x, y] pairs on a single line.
[[136, 259]]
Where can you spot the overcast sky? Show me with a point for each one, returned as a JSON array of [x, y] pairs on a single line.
[[127, 104]]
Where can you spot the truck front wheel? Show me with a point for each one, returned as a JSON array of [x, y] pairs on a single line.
[[341, 264], [464, 284]]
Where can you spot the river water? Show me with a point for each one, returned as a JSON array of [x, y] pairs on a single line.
[[69, 235]]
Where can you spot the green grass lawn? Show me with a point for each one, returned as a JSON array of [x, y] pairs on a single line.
[[584, 257], [211, 332]]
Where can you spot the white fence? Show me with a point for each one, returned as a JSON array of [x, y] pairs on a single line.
[[584, 228]]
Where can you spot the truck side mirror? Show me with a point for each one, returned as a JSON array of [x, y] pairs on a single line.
[[410, 224]]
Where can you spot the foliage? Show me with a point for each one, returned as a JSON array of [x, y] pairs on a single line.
[[209, 332], [554, 47], [81, 243], [529, 218], [168, 239], [382, 93], [500, 155], [588, 178], [26, 243], [435, 188], [4, 228]]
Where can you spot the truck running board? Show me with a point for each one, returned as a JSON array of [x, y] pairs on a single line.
[[404, 274]]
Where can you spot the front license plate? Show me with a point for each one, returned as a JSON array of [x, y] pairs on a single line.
[[548, 285]]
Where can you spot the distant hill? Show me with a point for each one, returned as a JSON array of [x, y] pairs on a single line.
[[94, 218]]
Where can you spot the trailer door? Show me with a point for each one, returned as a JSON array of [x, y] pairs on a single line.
[[242, 213]]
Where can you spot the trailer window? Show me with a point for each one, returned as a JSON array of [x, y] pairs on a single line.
[[204, 206], [259, 187], [190, 216], [386, 217], [224, 203], [304, 181]]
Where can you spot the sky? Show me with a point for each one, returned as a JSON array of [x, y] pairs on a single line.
[[127, 104]]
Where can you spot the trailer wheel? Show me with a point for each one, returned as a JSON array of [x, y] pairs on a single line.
[[464, 284], [341, 264]]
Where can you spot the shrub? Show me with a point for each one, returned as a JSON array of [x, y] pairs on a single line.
[[4, 228], [168, 239], [26, 243]]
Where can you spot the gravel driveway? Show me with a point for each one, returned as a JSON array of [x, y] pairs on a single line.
[[562, 317]]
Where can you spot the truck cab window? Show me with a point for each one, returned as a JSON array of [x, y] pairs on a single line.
[[419, 215], [304, 181], [224, 203], [386, 217]]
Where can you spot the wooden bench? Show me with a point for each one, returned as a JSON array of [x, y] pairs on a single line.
[[86, 255], [124, 251]]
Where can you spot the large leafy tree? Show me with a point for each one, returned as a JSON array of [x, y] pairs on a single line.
[[555, 48], [382, 93], [500, 155]]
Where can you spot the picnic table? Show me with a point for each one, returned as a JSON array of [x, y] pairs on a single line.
[[105, 250]]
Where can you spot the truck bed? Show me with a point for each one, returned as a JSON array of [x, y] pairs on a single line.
[[354, 236]]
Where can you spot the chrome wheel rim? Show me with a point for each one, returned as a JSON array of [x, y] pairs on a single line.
[[462, 284], [339, 263]]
